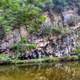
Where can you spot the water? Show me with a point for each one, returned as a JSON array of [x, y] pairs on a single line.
[[65, 71]]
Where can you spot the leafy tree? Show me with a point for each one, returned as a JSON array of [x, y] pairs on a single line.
[[21, 12]]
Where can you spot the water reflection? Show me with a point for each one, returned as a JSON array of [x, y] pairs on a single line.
[[64, 71]]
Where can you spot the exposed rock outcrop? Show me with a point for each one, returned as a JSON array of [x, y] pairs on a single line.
[[56, 45]]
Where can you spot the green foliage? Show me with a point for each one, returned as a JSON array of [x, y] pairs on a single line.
[[53, 31], [17, 12], [2, 33], [70, 58], [56, 31], [22, 46], [4, 57], [77, 51]]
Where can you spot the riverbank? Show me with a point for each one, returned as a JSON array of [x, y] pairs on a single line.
[[41, 60]]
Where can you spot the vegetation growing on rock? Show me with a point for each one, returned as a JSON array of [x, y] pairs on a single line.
[[31, 29]]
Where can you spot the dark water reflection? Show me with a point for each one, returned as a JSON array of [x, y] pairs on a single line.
[[65, 71]]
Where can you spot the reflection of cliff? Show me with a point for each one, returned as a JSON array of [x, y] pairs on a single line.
[[70, 68], [68, 71]]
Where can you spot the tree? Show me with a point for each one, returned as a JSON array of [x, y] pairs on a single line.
[[21, 12]]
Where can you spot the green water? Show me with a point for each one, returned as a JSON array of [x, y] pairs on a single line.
[[64, 71]]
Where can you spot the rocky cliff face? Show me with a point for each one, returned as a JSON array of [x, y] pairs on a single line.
[[54, 44]]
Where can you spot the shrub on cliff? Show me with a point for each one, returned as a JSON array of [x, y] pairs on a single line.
[[22, 47], [21, 12]]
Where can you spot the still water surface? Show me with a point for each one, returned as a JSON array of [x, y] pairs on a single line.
[[65, 71]]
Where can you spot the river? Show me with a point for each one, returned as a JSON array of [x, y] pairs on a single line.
[[47, 71]]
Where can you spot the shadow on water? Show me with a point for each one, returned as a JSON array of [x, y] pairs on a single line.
[[46, 71]]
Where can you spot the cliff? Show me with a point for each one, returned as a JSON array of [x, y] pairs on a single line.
[[58, 35]]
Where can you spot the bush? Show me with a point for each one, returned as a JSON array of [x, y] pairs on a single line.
[[77, 51], [16, 12], [23, 46], [4, 57], [54, 31]]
